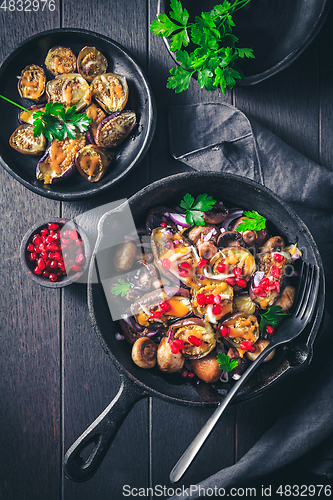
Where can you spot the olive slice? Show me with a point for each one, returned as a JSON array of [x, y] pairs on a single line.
[[70, 89], [115, 128], [58, 163], [26, 116], [60, 60], [24, 141], [92, 162], [110, 91], [91, 63], [31, 84]]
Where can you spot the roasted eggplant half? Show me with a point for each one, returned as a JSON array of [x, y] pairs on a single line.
[[241, 330], [58, 163], [212, 301], [235, 265], [24, 141], [70, 90], [91, 63], [110, 91], [96, 115], [60, 60], [92, 162], [26, 116], [194, 337], [243, 303], [31, 84], [115, 128]]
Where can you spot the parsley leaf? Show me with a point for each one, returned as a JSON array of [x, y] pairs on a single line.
[[120, 288], [194, 210], [225, 362], [271, 317], [254, 222]]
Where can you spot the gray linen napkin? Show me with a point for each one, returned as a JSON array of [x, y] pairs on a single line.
[[219, 137]]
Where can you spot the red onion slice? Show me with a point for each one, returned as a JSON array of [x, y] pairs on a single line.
[[178, 219], [235, 213]]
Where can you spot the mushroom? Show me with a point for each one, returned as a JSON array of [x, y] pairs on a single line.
[[125, 256], [166, 360], [254, 239], [155, 216], [274, 244], [207, 368], [207, 250], [286, 299], [259, 347], [217, 214], [200, 232], [144, 353], [242, 362], [230, 239]]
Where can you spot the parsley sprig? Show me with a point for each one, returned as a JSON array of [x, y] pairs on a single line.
[[56, 122], [194, 210], [254, 222], [120, 288], [225, 362], [271, 317], [214, 59]]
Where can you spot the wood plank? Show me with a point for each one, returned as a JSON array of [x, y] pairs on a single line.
[[29, 319]]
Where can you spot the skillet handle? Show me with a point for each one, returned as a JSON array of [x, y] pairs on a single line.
[[101, 432]]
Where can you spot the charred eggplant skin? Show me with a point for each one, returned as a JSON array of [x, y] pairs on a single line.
[[23, 140], [60, 60], [92, 162], [91, 63], [114, 129], [31, 84]]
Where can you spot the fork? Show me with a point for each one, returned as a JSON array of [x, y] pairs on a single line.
[[305, 305]]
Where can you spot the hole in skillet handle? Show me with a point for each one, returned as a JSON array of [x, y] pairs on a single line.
[[70, 276]]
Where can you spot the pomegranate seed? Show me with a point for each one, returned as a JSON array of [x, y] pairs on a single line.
[[44, 232], [277, 286], [33, 256], [53, 226], [221, 268], [78, 242], [202, 263], [217, 309], [53, 247], [259, 291], [237, 271], [46, 274], [49, 239], [183, 272], [276, 271], [264, 283], [73, 235], [53, 277], [44, 256], [165, 306], [217, 299], [53, 264], [201, 299], [79, 259], [57, 256], [231, 281], [61, 266], [170, 245], [42, 247], [41, 264], [270, 329], [190, 374], [166, 264], [174, 349], [65, 241], [194, 340], [278, 257], [179, 343], [76, 268], [185, 265], [163, 224], [30, 248], [66, 233], [240, 282], [37, 270], [246, 345], [210, 299], [37, 240], [270, 287], [184, 373], [48, 262], [224, 330]]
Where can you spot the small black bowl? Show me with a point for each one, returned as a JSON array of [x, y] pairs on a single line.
[[29, 265]]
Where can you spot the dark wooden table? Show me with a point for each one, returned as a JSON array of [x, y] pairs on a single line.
[[55, 378]]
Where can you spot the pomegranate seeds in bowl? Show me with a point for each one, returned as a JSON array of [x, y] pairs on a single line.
[[55, 253]]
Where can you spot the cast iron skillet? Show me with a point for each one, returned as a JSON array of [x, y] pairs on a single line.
[[137, 383], [277, 30], [128, 155]]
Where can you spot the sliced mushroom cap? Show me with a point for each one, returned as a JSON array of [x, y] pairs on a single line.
[[166, 360], [125, 256], [254, 239], [230, 239], [144, 353], [286, 299], [259, 347], [207, 233], [217, 214], [207, 368], [276, 243]]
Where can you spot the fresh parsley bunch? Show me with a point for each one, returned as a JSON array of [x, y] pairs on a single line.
[[215, 56], [271, 317], [253, 222], [194, 210], [225, 362]]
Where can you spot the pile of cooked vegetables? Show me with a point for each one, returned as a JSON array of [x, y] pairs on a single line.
[[203, 290], [70, 130]]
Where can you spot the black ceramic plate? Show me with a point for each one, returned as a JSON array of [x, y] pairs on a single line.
[[129, 154], [230, 189], [277, 30]]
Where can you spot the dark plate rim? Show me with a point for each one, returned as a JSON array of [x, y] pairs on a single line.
[[93, 190], [316, 323], [285, 62]]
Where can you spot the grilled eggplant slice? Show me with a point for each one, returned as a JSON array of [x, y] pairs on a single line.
[[235, 263], [212, 301], [110, 91], [91, 63], [70, 90], [24, 141], [92, 162], [197, 335], [60, 60], [26, 116], [58, 163], [241, 327], [114, 129], [31, 84], [96, 115]]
